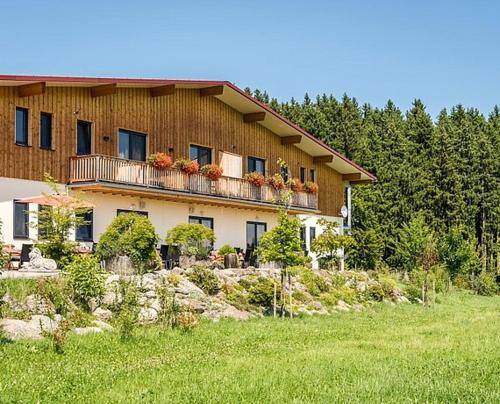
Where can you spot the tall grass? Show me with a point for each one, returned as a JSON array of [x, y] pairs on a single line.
[[448, 353]]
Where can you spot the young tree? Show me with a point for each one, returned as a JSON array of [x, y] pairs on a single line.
[[282, 244], [3, 257], [329, 245]]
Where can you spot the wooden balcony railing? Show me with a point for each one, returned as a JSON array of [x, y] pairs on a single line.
[[120, 171]]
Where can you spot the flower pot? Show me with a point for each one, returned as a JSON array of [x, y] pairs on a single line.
[[230, 261]]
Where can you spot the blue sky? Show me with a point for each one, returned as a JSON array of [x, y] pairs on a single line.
[[443, 52]]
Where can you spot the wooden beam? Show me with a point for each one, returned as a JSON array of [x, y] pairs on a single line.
[[361, 182], [106, 89], [323, 159], [291, 139], [207, 91], [351, 177], [31, 89], [254, 117], [162, 90]]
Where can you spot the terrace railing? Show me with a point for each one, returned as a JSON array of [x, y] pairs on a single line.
[[99, 168]]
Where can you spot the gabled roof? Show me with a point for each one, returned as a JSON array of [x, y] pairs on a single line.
[[230, 95]]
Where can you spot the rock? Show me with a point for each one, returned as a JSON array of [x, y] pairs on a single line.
[[186, 261], [37, 263], [103, 314], [87, 330], [155, 304], [342, 306], [37, 305], [111, 298], [121, 265], [402, 299], [361, 286], [233, 312], [114, 278], [186, 287], [357, 307], [147, 315], [102, 325], [150, 294], [33, 329]]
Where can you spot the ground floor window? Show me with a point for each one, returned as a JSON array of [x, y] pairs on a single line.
[[21, 220], [303, 238], [255, 230], [312, 235], [124, 211], [205, 221], [84, 232]]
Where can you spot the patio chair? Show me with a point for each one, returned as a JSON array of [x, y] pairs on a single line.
[[25, 254]]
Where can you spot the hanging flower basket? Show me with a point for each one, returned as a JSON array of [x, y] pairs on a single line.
[[276, 181], [311, 187], [255, 178], [296, 185], [188, 167], [160, 161], [212, 171]]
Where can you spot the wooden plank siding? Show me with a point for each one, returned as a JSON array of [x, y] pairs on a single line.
[[172, 121]]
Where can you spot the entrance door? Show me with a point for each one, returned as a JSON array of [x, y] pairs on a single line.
[[83, 138], [255, 230]]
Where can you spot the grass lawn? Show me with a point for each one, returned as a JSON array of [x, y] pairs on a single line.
[[449, 353]]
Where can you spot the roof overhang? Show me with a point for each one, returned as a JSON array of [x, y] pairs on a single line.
[[231, 95]]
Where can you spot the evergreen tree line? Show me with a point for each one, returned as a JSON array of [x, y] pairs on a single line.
[[443, 173]]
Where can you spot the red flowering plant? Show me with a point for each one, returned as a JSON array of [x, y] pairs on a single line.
[[296, 185], [160, 161], [188, 167], [310, 187], [255, 178], [212, 171], [276, 181]]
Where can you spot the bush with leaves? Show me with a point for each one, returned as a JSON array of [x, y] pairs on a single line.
[[314, 283], [205, 279], [484, 284], [132, 235], [4, 258], [328, 244], [127, 308], [226, 249], [282, 244], [262, 292], [366, 250], [193, 239], [85, 279], [458, 253]]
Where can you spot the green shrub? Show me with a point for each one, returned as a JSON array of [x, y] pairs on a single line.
[[85, 279], [4, 258], [238, 299], [376, 292], [56, 291], [484, 284], [458, 253], [170, 309], [193, 239], [226, 249], [314, 283], [437, 276], [262, 292], [302, 297], [204, 278], [173, 279], [132, 235], [343, 293], [126, 309]]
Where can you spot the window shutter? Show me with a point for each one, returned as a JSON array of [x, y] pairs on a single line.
[[232, 164]]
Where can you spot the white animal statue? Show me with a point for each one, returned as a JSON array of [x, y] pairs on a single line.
[[37, 263]]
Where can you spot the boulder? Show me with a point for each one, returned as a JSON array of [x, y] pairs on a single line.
[[38, 305], [33, 329], [148, 315], [342, 306], [102, 325], [103, 314], [121, 265]]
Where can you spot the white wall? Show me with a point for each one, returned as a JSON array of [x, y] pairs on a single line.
[[11, 189]]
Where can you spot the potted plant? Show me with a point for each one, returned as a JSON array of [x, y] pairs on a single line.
[[296, 185], [230, 256], [212, 171], [160, 161], [255, 178], [310, 187], [276, 181], [188, 167]]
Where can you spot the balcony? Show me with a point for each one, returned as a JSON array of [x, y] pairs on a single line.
[[136, 175]]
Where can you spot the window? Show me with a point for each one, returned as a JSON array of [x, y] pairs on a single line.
[[21, 220], [312, 175], [205, 221], [302, 174], [125, 211], [83, 138], [257, 165], [255, 230], [284, 173], [303, 238], [312, 235], [22, 126], [203, 155], [43, 221], [85, 232], [45, 130], [131, 145]]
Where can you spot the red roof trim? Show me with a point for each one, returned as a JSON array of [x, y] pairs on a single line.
[[152, 82]]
